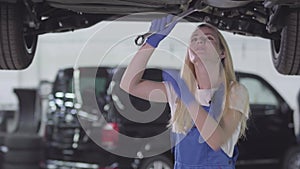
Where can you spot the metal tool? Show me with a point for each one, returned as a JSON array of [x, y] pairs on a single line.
[[139, 40]]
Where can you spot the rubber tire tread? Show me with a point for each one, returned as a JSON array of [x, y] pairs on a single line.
[[288, 155], [13, 54], [146, 162], [19, 141], [24, 156], [288, 61], [20, 166], [2, 138]]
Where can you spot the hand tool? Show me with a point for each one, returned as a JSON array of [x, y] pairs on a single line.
[[141, 38]]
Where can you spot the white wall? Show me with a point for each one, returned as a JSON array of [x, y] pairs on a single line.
[[112, 44]]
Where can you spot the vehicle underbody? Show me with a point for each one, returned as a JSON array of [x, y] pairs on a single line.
[[261, 18], [243, 17]]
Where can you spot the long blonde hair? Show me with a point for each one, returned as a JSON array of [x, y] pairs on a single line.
[[181, 120]]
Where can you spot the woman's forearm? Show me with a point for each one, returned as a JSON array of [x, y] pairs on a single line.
[[215, 132], [210, 129], [134, 71]]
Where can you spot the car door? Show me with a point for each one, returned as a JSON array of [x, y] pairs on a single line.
[[270, 125]]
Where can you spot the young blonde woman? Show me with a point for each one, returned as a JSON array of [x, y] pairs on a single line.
[[209, 108]]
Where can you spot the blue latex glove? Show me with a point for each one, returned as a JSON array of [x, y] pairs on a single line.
[[215, 110], [161, 28], [217, 100], [179, 86]]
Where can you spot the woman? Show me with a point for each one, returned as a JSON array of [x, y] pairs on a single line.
[[209, 108]]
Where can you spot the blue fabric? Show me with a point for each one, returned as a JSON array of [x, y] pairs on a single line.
[[191, 150], [179, 86], [191, 153]]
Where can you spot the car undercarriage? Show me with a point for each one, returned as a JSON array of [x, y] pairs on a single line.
[[277, 20]]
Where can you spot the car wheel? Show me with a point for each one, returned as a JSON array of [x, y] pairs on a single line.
[[21, 166], [25, 156], [292, 159], [157, 162], [286, 50], [17, 49], [2, 138], [18, 141]]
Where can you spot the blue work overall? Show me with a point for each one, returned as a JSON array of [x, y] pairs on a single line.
[[192, 152]]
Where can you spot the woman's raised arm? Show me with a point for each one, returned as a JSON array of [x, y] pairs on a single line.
[[132, 81]]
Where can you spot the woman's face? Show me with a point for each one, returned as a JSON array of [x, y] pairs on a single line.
[[205, 46]]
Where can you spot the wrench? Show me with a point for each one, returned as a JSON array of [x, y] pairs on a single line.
[[141, 38]]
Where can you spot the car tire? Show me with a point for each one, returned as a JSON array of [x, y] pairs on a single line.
[[292, 158], [2, 138], [23, 156], [16, 49], [19, 141], [286, 50], [156, 162], [21, 166]]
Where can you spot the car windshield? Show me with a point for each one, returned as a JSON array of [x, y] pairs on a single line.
[[89, 83], [93, 84]]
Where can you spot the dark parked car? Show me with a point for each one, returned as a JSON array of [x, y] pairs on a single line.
[[87, 131], [271, 141], [22, 21], [81, 134]]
